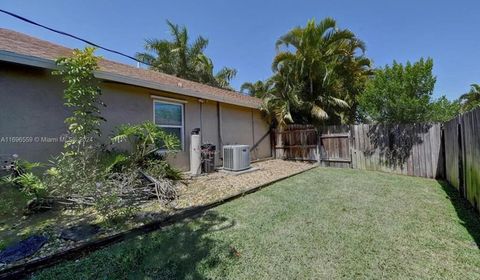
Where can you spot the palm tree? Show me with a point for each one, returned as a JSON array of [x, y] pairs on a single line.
[[180, 58], [224, 76], [205, 73], [355, 71], [471, 100], [280, 102], [258, 89], [322, 54]]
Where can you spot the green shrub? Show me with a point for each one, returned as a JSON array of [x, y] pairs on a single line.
[[82, 96], [146, 139], [113, 161], [12, 200], [108, 207], [88, 174], [75, 177], [21, 175], [158, 168], [82, 174]]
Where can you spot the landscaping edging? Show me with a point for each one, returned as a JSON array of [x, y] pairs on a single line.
[[23, 270]]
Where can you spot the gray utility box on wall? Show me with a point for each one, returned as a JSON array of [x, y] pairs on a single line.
[[236, 157]]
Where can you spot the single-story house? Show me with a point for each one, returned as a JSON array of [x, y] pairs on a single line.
[[32, 112]]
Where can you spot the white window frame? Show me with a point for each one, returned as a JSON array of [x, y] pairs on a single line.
[[182, 127]]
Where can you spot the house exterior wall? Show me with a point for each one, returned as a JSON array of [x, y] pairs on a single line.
[[31, 105]]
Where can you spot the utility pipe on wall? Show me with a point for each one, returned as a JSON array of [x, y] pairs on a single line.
[[219, 126], [201, 101]]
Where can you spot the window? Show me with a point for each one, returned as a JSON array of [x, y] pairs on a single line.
[[169, 116]]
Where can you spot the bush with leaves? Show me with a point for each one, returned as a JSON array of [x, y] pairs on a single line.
[[145, 140], [399, 93], [160, 168], [88, 173], [75, 172], [75, 178], [21, 174], [83, 173], [443, 110], [82, 95]]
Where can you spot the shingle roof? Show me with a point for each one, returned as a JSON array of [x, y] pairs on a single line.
[[22, 44]]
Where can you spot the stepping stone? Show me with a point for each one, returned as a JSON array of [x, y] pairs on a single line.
[[22, 249], [79, 232]]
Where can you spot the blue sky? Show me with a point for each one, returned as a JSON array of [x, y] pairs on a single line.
[[242, 33]]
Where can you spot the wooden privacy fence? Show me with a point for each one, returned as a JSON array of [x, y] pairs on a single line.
[[296, 142], [462, 155], [414, 150], [450, 151]]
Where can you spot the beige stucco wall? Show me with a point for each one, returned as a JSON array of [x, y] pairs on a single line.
[[31, 105]]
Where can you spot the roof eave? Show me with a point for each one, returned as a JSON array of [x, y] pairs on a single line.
[[103, 75], [168, 88], [27, 60]]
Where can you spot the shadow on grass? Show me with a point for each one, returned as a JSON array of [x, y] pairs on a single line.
[[182, 251], [465, 212]]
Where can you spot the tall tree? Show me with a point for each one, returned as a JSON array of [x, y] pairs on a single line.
[[281, 102], [400, 93], [314, 73], [442, 109], [82, 95], [183, 59], [355, 71], [471, 99]]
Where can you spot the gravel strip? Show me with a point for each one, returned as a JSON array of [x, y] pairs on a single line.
[[214, 186]]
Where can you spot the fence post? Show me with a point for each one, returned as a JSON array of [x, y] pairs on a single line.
[[350, 144], [317, 133]]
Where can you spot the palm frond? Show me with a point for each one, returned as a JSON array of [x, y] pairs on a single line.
[[293, 37], [282, 58], [199, 46], [318, 113], [145, 57], [339, 102], [224, 76]]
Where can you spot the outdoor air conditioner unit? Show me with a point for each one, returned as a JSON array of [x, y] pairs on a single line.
[[236, 157]]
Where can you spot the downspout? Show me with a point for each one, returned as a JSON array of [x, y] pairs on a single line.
[[219, 127], [201, 101], [253, 133]]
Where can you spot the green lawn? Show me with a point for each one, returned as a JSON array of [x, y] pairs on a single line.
[[325, 223]]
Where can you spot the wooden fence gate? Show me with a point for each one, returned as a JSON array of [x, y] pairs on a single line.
[[296, 142], [335, 146]]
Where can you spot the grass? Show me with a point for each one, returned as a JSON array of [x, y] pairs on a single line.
[[325, 223]]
